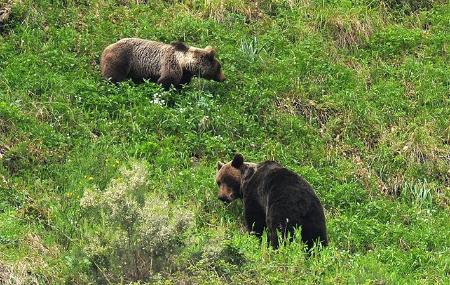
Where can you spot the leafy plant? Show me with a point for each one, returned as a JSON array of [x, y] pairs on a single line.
[[419, 193], [251, 49]]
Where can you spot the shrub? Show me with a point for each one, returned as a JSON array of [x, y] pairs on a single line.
[[141, 232]]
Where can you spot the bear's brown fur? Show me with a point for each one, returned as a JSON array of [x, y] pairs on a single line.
[[274, 198], [4, 16], [167, 64]]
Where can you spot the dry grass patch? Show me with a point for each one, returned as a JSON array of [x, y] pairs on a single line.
[[33, 269], [349, 29], [17, 274], [414, 149], [217, 9], [419, 144], [349, 32], [309, 109]]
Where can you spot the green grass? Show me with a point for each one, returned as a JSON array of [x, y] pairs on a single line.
[[352, 95]]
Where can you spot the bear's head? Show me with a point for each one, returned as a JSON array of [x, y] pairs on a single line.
[[201, 62], [230, 177], [210, 67]]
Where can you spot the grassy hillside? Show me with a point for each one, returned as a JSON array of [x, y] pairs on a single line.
[[105, 184]]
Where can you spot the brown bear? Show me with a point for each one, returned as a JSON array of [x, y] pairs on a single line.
[[166, 64], [274, 198]]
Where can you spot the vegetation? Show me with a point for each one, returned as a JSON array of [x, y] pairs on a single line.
[[106, 184]]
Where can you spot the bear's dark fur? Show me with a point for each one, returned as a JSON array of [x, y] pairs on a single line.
[[167, 64], [274, 198]]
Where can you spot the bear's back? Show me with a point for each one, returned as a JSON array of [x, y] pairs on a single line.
[[145, 56], [273, 182]]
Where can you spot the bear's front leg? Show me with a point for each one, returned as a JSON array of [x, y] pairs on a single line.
[[255, 220], [167, 81], [170, 73]]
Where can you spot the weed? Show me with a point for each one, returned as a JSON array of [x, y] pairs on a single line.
[[419, 193], [251, 49]]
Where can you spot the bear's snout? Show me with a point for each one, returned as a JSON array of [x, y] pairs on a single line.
[[221, 77], [225, 199], [226, 194]]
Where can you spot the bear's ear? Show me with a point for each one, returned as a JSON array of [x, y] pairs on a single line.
[[180, 46], [219, 165], [238, 160], [211, 52]]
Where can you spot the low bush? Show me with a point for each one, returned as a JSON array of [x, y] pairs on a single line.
[[142, 231]]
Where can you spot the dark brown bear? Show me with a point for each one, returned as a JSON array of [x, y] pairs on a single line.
[[167, 64], [274, 197]]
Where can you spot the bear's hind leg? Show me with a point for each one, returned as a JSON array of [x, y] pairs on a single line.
[[255, 220], [274, 227], [313, 231], [278, 222]]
